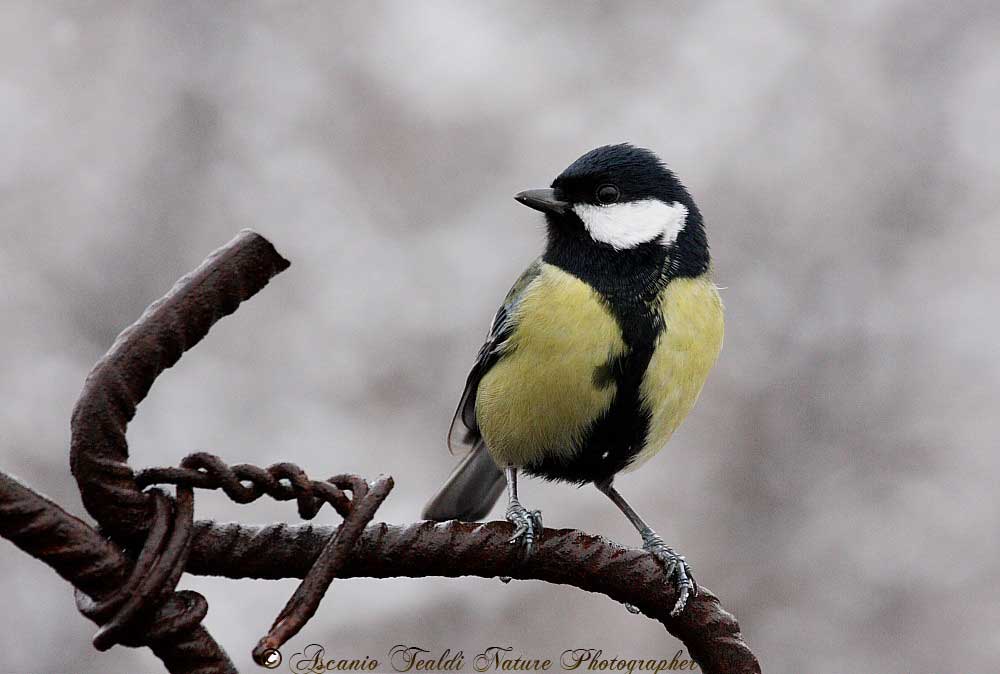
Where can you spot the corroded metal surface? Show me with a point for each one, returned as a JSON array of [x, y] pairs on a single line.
[[131, 595], [99, 570], [123, 377], [244, 483], [564, 556], [328, 564]]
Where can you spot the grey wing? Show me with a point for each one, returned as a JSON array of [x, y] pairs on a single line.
[[464, 432]]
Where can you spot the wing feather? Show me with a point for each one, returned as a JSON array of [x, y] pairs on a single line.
[[464, 432]]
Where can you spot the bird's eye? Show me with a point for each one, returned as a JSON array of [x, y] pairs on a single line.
[[607, 194]]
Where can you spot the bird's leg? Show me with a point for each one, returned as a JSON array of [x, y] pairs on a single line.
[[527, 523], [675, 565]]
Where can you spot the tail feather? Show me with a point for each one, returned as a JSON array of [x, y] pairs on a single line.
[[471, 491]]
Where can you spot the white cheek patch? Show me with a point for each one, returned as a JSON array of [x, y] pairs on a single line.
[[629, 224]]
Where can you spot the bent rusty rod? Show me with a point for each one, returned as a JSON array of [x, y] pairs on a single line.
[[98, 567], [122, 378], [568, 557]]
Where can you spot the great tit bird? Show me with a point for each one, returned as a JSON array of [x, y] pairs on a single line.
[[599, 350]]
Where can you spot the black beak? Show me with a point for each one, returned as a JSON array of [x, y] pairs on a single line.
[[542, 200]]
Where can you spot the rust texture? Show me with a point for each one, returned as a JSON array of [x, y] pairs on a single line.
[[98, 569], [328, 564], [564, 556], [130, 592], [123, 377], [244, 483]]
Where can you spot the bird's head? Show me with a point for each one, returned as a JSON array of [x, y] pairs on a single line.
[[622, 197]]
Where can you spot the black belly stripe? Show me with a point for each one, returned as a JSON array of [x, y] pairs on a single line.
[[632, 293], [619, 434]]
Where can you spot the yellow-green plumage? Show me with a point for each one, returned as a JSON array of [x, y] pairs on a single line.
[[540, 396], [685, 352], [545, 390]]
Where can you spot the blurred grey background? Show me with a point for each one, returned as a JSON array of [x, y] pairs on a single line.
[[836, 483]]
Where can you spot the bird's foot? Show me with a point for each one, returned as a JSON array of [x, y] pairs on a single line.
[[675, 566], [527, 525]]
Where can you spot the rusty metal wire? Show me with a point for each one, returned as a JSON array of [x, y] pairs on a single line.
[[335, 553], [244, 483], [156, 572], [98, 569], [131, 595]]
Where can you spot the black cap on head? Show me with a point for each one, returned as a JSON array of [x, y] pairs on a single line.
[[634, 172], [618, 207]]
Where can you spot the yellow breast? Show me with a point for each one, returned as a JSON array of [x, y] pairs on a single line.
[[685, 352], [541, 396]]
